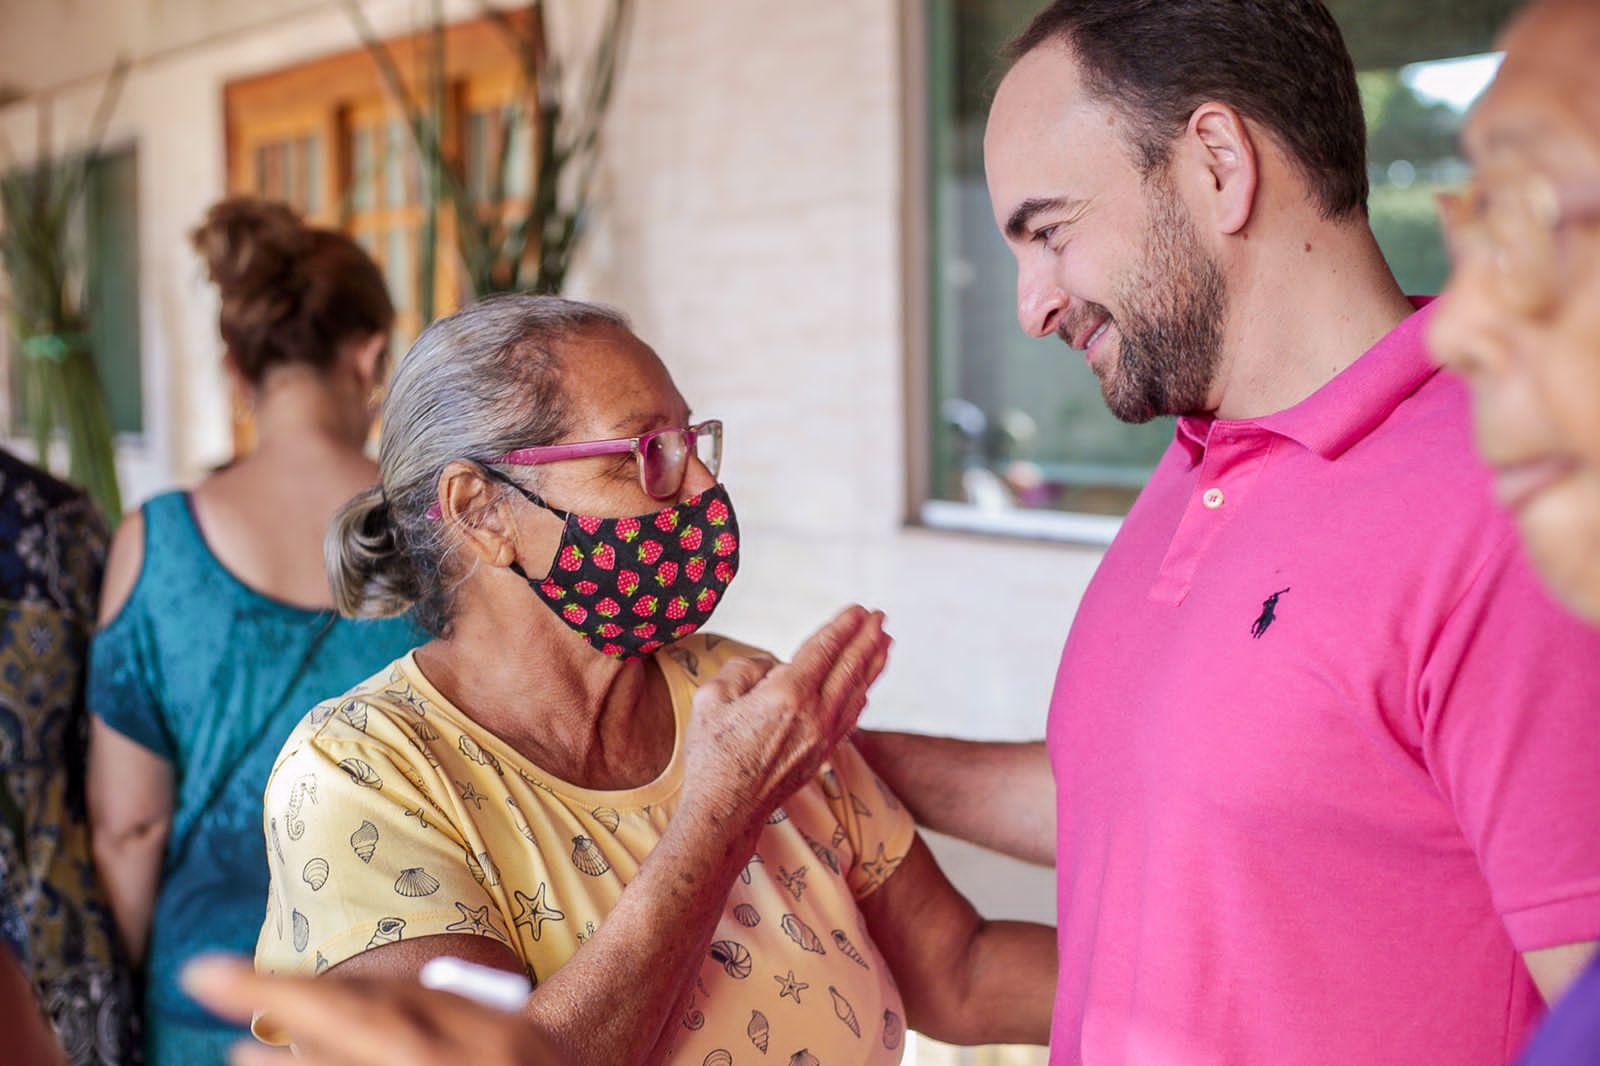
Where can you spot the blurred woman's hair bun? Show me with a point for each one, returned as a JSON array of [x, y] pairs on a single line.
[[291, 293]]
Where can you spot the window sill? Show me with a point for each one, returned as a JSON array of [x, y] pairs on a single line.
[[1062, 527]]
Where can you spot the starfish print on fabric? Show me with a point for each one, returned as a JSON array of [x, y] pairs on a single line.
[[533, 912], [795, 882], [470, 794], [878, 868], [408, 696], [477, 922], [421, 816], [791, 987]]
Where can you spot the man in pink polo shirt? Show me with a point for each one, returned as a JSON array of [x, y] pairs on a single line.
[[1325, 756]]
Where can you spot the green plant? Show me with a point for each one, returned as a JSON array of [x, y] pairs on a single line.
[[46, 307], [520, 247]]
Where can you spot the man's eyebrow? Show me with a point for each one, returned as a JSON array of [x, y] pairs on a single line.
[[1017, 224]]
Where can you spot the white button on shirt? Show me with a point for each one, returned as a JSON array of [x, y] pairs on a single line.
[[1213, 498]]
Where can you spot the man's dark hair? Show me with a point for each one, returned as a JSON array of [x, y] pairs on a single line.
[[1281, 63]]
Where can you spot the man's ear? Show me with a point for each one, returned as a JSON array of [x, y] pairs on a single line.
[[1221, 156], [467, 498]]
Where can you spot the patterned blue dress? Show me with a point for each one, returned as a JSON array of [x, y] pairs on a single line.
[[53, 916], [211, 676]]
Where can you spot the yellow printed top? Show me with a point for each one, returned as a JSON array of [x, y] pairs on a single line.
[[390, 814]]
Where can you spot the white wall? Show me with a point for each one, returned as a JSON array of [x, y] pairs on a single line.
[[752, 229]]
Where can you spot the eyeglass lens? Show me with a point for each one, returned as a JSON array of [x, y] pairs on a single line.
[[664, 457]]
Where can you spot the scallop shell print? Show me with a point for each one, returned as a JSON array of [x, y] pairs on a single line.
[[733, 956], [364, 841], [719, 1057], [361, 773], [302, 930], [801, 934], [315, 873], [804, 1057], [415, 883], [759, 1031], [894, 1030], [747, 916], [607, 817], [587, 857]]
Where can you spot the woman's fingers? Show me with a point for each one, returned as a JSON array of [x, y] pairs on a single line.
[[736, 678], [342, 1012], [822, 649], [857, 667]]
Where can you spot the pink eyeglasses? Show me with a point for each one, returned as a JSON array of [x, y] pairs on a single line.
[[662, 455]]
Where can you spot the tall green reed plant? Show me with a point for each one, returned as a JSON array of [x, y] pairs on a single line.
[[46, 306]]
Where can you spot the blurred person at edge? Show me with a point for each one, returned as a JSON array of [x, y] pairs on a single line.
[[217, 626], [1520, 321], [59, 955], [1319, 792]]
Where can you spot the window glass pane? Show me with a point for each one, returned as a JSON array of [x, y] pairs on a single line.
[[311, 153], [478, 162], [363, 169], [1018, 423], [519, 169], [394, 165], [397, 269]]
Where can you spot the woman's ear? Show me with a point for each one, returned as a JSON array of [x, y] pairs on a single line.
[[468, 499], [1221, 153]]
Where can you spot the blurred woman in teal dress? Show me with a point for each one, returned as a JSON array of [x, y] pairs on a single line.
[[218, 632]]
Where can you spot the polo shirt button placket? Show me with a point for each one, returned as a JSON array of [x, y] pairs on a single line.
[[1213, 498]]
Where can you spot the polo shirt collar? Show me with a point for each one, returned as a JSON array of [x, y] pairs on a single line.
[[1333, 419]]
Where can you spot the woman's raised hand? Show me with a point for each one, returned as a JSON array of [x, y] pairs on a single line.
[[761, 729]]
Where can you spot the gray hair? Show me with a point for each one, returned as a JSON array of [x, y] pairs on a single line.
[[475, 385]]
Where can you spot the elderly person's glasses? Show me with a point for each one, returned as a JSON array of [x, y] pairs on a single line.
[[662, 454], [1516, 224]]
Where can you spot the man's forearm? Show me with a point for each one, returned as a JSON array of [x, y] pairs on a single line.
[[1000, 796]]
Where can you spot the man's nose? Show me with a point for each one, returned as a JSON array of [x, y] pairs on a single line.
[[1041, 303]]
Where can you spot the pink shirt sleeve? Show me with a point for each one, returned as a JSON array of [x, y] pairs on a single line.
[[1510, 706]]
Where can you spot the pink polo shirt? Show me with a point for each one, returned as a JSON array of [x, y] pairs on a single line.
[[1327, 757]]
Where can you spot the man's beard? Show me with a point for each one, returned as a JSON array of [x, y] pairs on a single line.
[[1170, 332]]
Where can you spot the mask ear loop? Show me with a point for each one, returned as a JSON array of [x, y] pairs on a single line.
[[538, 501]]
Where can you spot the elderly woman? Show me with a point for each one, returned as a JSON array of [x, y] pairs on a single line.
[[572, 780], [1520, 322]]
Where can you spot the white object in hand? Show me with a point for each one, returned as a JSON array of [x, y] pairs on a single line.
[[486, 985]]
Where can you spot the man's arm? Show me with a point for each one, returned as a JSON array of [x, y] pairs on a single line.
[[999, 796], [965, 980]]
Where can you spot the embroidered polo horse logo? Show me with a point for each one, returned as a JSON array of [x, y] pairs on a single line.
[[1269, 614]]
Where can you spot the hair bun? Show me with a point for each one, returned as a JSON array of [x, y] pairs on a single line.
[[251, 248]]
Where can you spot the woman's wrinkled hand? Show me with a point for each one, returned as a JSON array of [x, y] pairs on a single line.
[[352, 1021], [761, 729]]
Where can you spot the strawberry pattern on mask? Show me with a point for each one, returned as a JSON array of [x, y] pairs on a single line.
[[629, 586]]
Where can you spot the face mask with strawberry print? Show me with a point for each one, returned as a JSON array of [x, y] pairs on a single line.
[[629, 586]]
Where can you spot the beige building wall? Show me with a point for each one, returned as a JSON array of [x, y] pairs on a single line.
[[752, 226]]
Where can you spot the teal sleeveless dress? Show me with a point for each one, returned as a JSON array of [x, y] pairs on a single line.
[[212, 676]]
